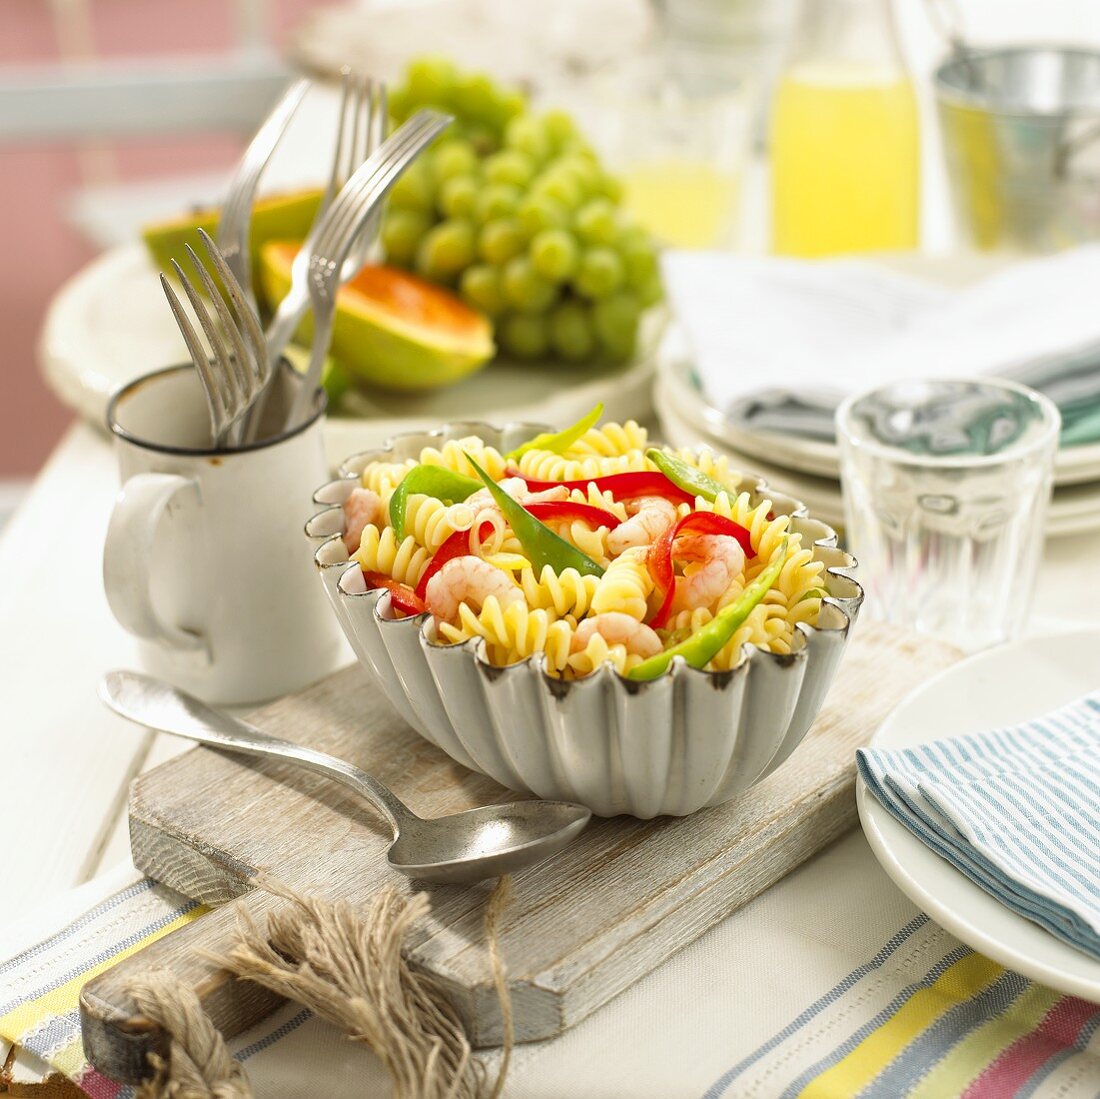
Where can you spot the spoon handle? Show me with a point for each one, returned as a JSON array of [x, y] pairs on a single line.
[[158, 705]]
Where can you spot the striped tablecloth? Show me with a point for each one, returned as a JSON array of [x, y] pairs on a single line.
[[921, 1015]]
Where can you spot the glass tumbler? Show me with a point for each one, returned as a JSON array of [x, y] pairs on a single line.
[[946, 485]]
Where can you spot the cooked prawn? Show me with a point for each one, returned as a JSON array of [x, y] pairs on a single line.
[[617, 628], [721, 560], [516, 487], [650, 517], [469, 580], [361, 509]]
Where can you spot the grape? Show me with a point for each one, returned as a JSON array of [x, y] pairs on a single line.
[[615, 319], [509, 166], [497, 200], [413, 190], [612, 188], [458, 197], [500, 240], [526, 134], [559, 127], [600, 273], [480, 286], [453, 158], [536, 213], [570, 331], [429, 80], [401, 233], [525, 337], [640, 263], [595, 222], [651, 291], [554, 254], [446, 249], [525, 289], [560, 187], [475, 98]]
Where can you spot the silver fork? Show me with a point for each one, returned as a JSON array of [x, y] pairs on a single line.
[[335, 234], [360, 130], [236, 215], [240, 367]]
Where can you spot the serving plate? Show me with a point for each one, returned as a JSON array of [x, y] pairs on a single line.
[[110, 324], [1074, 509], [1073, 465], [1003, 686]]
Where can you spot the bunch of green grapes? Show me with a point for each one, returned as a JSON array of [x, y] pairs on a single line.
[[514, 211]]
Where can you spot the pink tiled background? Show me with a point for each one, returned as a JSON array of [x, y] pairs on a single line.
[[38, 248]]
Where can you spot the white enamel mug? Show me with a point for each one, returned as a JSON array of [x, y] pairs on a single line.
[[202, 561]]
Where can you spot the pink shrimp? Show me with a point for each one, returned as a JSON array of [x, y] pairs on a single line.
[[650, 517], [361, 509], [617, 628], [722, 561], [516, 487], [468, 580]]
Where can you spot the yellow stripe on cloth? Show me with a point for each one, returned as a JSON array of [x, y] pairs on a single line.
[[973, 1055], [959, 982], [64, 998]]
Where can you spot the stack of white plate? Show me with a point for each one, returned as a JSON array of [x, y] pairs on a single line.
[[809, 468]]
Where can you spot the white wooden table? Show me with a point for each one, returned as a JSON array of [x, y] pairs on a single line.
[[67, 762]]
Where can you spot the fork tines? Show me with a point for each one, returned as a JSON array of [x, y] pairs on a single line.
[[236, 368]]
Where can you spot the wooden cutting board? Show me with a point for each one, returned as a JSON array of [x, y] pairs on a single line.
[[581, 927]]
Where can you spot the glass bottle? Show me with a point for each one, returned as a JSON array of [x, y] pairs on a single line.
[[845, 138]]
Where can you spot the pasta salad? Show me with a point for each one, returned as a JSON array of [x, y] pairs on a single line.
[[586, 546]]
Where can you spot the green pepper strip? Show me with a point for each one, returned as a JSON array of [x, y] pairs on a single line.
[[686, 477], [559, 441], [541, 544], [443, 484], [699, 649]]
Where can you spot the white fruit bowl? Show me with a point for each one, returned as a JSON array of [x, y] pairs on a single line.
[[672, 745]]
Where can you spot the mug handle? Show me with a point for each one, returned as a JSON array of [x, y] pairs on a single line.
[[139, 509]]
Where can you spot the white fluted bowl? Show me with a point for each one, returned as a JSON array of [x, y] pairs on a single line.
[[671, 745]]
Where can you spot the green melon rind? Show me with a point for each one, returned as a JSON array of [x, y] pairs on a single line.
[[382, 349]]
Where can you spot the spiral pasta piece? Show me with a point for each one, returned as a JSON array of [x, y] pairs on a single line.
[[625, 586], [513, 633], [379, 551], [452, 455], [383, 477], [611, 440], [567, 593], [596, 652], [545, 465], [431, 522]]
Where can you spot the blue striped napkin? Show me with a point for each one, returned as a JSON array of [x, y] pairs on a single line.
[[1017, 810]]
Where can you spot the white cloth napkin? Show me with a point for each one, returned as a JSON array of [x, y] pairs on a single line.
[[1017, 810], [842, 325]]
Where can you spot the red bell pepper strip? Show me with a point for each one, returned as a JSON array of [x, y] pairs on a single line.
[[567, 511], [659, 560], [457, 545], [402, 598], [622, 486]]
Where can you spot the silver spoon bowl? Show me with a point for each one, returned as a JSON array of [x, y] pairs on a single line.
[[465, 847]]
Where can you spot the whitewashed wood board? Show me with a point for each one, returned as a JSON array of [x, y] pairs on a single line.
[[581, 927]]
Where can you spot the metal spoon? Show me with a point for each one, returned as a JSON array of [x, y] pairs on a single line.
[[466, 847]]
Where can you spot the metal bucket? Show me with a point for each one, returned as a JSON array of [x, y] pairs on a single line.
[[1021, 132]]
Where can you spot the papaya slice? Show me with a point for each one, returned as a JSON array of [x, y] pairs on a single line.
[[392, 329], [275, 217]]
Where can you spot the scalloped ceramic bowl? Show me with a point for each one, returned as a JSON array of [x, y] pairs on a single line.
[[673, 745]]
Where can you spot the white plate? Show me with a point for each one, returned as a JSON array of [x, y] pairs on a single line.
[[1073, 465], [1003, 686], [110, 324], [1074, 509]]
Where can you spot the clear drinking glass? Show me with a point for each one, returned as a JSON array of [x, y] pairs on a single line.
[[946, 486]]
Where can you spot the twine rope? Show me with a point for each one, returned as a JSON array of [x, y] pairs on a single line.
[[348, 967]]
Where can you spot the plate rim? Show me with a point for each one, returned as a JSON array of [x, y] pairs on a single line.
[[872, 816]]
